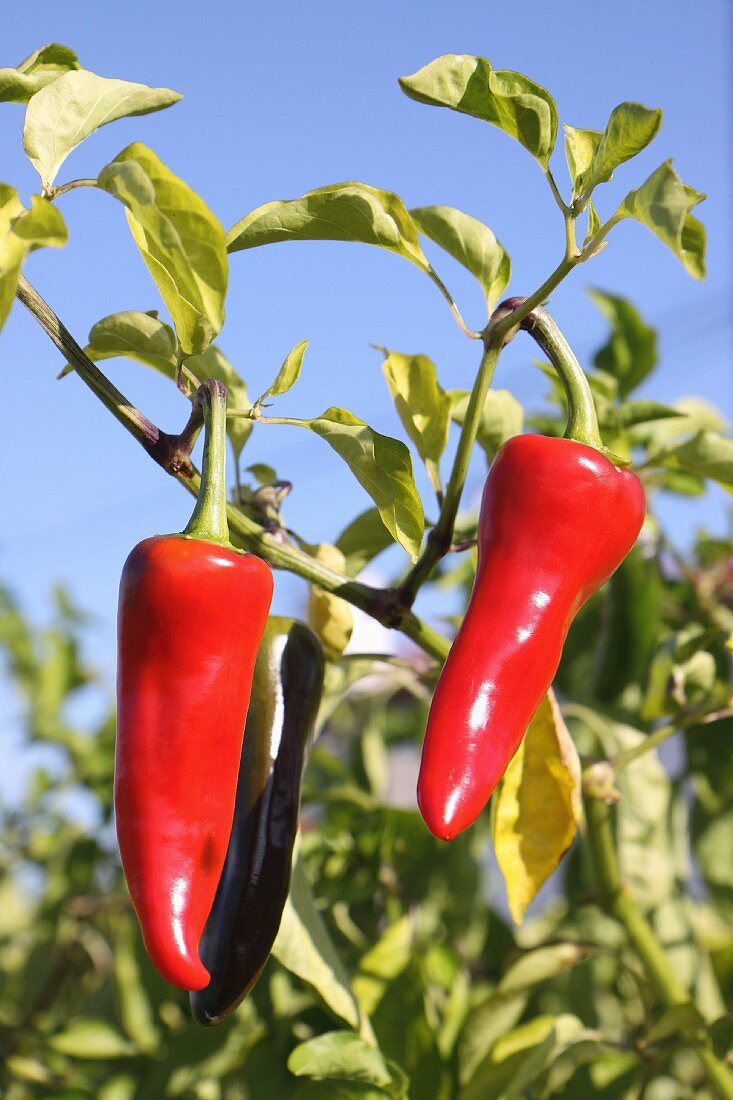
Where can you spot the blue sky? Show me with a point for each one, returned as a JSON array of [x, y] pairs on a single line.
[[280, 98]]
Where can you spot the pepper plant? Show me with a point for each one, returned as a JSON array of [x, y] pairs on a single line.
[[396, 972]]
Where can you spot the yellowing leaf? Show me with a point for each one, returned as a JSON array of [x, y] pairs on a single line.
[[330, 617], [538, 807]]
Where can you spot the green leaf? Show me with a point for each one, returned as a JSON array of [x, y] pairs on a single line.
[[37, 70], [383, 467], [303, 946], [538, 807], [483, 1027], [22, 231], [213, 363], [131, 334], [288, 374], [179, 238], [383, 962], [87, 1038], [364, 538], [422, 404], [540, 965], [61, 115], [696, 415], [642, 824], [633, 413], [663, 204], [594, 224], [630, 353], [580, 146], [502, 417], [470, 242], [340, 212], [509, 100], [341, 1055], [340, 1090], [630, 128], [707, 454], [136, 1011], [518, 1059]]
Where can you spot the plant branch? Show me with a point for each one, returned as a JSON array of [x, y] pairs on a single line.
[[556, 192], [582, 421], [472, 335], [172, 452], [159, 445], [64, 188], [663, 733], [662, 977], [502, 324], [440, 538]]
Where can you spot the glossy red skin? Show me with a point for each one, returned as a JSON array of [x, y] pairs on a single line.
[[556, 519], [191, 616]]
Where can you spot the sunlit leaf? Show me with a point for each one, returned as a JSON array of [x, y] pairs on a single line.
[[37, 70], [61, 115], [470, 242], [340, 212], [630, 128], [580, 145], [179, 238], [501, 418], [422, 404], [303, 946], [22, 231], [383, 467], [663, 204], [509, 100], [340, 1055], [538, 807], [288, 374], [131, 334]]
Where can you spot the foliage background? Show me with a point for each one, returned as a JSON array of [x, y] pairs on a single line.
[[259, 136]]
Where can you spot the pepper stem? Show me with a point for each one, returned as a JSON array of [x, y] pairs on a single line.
[[582, 425], [209, 519]]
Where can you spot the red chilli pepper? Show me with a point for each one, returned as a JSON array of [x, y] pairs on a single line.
[[192, 611], [557, 518]]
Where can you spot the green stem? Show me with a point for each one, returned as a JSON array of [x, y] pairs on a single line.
[[72, 185], [172, 453], [663, 733], [441, 536], [556, 192], [594, 243], [582, 425], [502, 324], [453, 307], [659, 971], [209, 519]]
